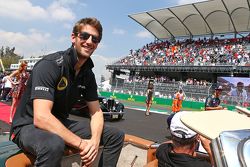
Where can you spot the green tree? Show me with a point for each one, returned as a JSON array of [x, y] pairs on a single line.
[[1, 52], [9, 56]]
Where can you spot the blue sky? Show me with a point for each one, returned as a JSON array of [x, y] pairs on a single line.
[[38, 27]]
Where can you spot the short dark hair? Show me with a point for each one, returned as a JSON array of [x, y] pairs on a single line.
[[179, 142], [240, 84], [88, 21]]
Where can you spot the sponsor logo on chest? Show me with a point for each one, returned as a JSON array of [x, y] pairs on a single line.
[[81, 86]]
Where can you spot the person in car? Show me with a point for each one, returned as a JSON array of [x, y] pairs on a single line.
[[180, 152]]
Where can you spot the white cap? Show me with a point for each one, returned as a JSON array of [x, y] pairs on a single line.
[[178, 129]]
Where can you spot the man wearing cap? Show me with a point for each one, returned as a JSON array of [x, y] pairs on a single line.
[[180, 153], [213, 101], [239, 94]]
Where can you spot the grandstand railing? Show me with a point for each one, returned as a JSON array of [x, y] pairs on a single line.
[[183, 68], [195, 93]]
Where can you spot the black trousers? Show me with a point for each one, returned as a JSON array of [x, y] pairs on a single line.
[[48, 148]]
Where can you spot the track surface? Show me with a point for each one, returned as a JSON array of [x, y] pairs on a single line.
[[134, 122]]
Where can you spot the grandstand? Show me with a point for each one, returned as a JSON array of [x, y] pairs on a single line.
[[199, 41]]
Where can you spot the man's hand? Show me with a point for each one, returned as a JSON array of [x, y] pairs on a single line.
[[88, 152], [206, 145]]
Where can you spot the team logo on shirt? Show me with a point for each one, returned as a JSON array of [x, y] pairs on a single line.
[[63, 83]]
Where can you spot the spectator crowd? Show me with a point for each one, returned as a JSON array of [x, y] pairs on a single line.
[[205, 51]]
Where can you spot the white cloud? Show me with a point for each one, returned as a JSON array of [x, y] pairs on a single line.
[[100, 63], [24, 10], [181, 2], [21, 9], [72, 2], [144, 34], [118, 31], [59, 12], [26, 45], [67, 2]]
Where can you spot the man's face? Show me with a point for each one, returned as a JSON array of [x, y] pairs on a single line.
[[218, 92], [240, 87], [85, 47]]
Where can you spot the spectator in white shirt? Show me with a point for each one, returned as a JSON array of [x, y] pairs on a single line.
[[6, 88]]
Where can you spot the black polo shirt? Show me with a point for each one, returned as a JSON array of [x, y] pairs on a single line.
[[212, 101], [53, 78], [168, 159]]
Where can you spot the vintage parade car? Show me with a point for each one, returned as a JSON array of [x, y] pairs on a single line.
[[112, 108]]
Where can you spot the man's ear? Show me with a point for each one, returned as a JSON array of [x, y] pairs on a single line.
[[198, 137], [73, 38]]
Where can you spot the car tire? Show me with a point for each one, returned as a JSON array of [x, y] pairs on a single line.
[[120, 116]]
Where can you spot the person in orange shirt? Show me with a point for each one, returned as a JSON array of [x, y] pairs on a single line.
[[177, 101]]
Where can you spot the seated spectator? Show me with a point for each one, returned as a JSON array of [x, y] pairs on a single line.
[[181, 152]]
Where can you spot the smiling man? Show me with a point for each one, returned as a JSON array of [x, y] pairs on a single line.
[[41, 126]]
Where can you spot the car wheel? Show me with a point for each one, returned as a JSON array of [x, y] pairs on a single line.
[[120, 115]]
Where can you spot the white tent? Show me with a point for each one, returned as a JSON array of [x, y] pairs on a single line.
[[105, 86], [203, 18]]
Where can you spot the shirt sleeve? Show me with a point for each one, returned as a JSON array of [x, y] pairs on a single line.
[[44, 79], [91, 94]]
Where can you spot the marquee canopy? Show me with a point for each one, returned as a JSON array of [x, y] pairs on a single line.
[[203, 18]]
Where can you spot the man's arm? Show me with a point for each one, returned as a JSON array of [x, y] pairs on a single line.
[[206, 145], [13, 74], [215, 108], [89, 153], [97, 120], [44, 119]]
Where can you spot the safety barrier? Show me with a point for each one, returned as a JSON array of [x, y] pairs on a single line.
[[160, 101]]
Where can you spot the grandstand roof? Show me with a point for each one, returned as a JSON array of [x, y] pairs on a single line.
[[203, 18]]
